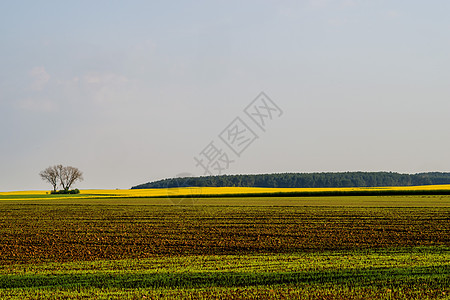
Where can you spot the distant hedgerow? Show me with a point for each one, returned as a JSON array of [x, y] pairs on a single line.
[[75, 191]]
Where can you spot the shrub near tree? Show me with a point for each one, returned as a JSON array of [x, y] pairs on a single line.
[[63, 176]]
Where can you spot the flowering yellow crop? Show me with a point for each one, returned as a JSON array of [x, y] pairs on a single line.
[[190, 191], [24, 193]]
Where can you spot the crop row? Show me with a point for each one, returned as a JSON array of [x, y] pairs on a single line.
[[31, 233]]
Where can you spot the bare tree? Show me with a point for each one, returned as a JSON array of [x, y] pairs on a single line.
[[51, 175], [65, 176], [68, 175], [60, 169]]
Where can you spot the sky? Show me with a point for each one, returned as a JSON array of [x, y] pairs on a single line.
[[136, 91]]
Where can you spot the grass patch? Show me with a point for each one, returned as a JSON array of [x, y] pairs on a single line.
[[418, 271]]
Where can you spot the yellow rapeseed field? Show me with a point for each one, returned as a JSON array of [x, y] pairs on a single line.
[[188, 191], [24, 193]]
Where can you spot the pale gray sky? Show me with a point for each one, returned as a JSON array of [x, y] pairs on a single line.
[[131, 91]]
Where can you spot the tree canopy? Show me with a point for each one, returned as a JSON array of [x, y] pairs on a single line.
[[305, 180], [62, 175]]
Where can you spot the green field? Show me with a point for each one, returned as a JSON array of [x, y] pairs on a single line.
[[368, 247]]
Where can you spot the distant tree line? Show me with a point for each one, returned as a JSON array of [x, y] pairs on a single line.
[[305, 180]]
